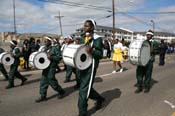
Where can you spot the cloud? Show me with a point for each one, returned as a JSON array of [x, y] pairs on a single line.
[[40, 17], [166, 21]]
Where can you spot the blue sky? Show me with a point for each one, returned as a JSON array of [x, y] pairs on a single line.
[[38, 17]]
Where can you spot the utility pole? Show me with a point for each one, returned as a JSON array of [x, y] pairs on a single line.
[[153, 25], [59, 18], [14, 19], [113, 12]]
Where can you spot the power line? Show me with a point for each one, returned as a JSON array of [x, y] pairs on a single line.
[[106, 9]]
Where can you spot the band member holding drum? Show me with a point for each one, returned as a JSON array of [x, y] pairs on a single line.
[[2, 69], [57, 44], [15, 52], [117, 55], [48, 74], [146, 71], [70, 69], [95, 48]]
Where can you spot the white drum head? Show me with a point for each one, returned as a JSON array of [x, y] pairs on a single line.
[[145, 53], [39, 60], [82, 59], [6, 59]]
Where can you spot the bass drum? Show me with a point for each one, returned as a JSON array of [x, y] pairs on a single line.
[[6, 59], [39, 60], [76, 56], [139, 52]]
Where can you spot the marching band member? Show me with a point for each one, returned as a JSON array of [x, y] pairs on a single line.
[[95, 48], [48, 74], [2, 69], [117, 55], [146, 71], [70, 69], [57, 44], [15, 52]]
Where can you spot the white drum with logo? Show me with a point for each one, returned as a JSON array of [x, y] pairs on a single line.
[[76, 56], [6, 58], [39, 60], [139, 52]]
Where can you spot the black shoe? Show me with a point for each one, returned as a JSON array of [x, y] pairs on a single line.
[[66, 81], [147, 90], [99, 103], [9, 86], [23, 81], [41, 99], [138, 90], [61, 94]]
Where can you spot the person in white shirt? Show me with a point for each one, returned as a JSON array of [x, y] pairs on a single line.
[[117, 55]]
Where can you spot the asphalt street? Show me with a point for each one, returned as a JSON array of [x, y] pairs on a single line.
[[118, 89]]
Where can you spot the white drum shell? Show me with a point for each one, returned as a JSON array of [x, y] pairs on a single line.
[[105, 52], [6, 59], [139, 52], [39, 60], [73, 54]]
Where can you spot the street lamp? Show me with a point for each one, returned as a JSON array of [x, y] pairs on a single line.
[[152, 21]]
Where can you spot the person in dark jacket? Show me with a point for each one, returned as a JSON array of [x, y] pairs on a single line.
[[15, 52], [48, 74], [94, 46], [163, 49]]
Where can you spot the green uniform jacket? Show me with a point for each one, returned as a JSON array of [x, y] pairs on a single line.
[[16, 52], [54, 52], [155, 49], [97, 46]]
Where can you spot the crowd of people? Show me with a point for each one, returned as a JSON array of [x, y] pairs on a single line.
[[97, 48]]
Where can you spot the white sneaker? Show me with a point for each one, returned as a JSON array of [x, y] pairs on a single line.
[[121, 70], [113, 71]]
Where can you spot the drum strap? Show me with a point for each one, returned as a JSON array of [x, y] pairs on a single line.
[[91, 79], [13, 51]]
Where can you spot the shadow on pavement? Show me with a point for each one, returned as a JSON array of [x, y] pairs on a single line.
[[109, 96], [68, 91]]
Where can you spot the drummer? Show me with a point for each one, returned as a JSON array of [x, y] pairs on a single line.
[[70, 69], [94, 45], [2, 69], [48, 74], [146, 71], [15, 52]]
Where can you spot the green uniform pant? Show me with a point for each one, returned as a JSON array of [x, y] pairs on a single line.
[[69, 71], [14, 73], [3, 71], [83, 90], [144, 71], [48, 78]]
